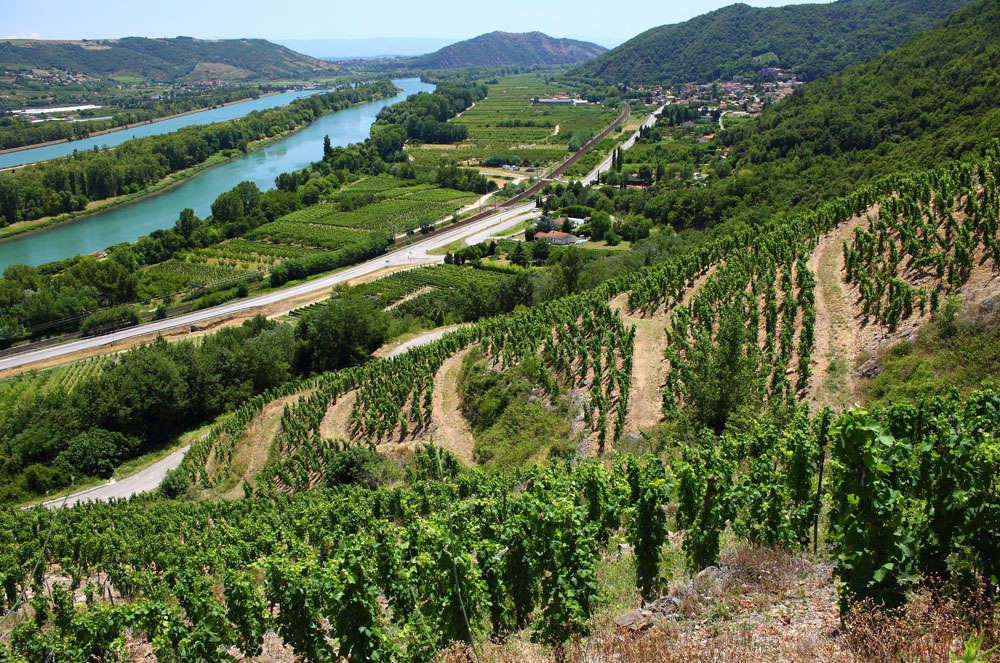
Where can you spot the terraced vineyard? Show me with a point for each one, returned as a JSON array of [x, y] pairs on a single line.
[[501, 125]]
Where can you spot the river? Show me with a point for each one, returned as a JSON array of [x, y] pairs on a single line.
[[210, 116], [127, 223]]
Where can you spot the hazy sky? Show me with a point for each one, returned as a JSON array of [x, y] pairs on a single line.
[[340, 19]]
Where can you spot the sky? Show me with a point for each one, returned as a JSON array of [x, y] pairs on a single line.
[[340, 19]]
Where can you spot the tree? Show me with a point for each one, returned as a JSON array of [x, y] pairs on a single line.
[[519, 256], [327, 148], [96, 453], [540, 252], [343, 332], [569, 267]]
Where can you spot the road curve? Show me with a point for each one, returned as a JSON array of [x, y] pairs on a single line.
[[421, 339], [140, 482]]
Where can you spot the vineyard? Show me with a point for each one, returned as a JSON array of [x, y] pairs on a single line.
[[505, 123], [450, 554], [751, 322], [462, 556], [18, 390]]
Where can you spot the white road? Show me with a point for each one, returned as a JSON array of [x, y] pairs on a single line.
[[415, 254], [500, 227], [422, 339], [140, 482], [605, 165]]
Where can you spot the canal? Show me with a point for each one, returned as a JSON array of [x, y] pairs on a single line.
[[129, 222]]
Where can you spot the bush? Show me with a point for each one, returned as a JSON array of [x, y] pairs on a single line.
[[41, 479], [355, 466], [174, 483], [109, 319], [96, 453], [300, 268]]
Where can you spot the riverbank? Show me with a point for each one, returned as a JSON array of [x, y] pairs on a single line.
[[112, 130], [170, 181]]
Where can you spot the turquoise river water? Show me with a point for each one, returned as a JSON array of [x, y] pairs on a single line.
[[129, 222]]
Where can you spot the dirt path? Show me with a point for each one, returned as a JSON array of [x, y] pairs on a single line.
[[451, 430], [648, 369], [648, 364], [833, 380], [336, 425], [448, 428]]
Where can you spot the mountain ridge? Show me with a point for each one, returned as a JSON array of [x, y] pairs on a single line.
[[509, 48], [164, 59], [812, 40]]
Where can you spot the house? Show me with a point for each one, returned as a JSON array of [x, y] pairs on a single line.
[[706, 138], [556, 237]]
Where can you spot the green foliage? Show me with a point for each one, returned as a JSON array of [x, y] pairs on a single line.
[[357, 466], [138, 401], [812, 41], [651, 491], [344, 331]]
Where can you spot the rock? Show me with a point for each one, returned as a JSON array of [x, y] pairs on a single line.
[[666, 605], [710, 573], [635, 620], [870, 369], [624, 550], [989, 306]]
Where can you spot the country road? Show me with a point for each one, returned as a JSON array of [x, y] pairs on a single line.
[[140, 482], [415, 254], [605, 165]]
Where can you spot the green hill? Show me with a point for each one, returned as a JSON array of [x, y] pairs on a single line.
[[935, 97], [509, 48], [179, 58], [811, 40]]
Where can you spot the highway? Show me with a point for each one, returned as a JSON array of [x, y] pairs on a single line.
[[415, 254]]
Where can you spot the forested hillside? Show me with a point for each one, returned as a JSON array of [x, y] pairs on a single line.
[[812, 40], [179, 58], [509, 48], [929, 100], [937, 95]]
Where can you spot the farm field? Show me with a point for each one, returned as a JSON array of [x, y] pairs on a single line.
[[354, 215], [506, 124]]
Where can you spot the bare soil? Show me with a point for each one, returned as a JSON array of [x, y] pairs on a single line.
[[833, 380], [252, 451]]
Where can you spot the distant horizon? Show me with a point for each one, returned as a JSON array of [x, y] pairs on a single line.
[[315, 21]]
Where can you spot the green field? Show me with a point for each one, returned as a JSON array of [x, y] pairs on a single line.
[[21, 389], [508, 103]]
